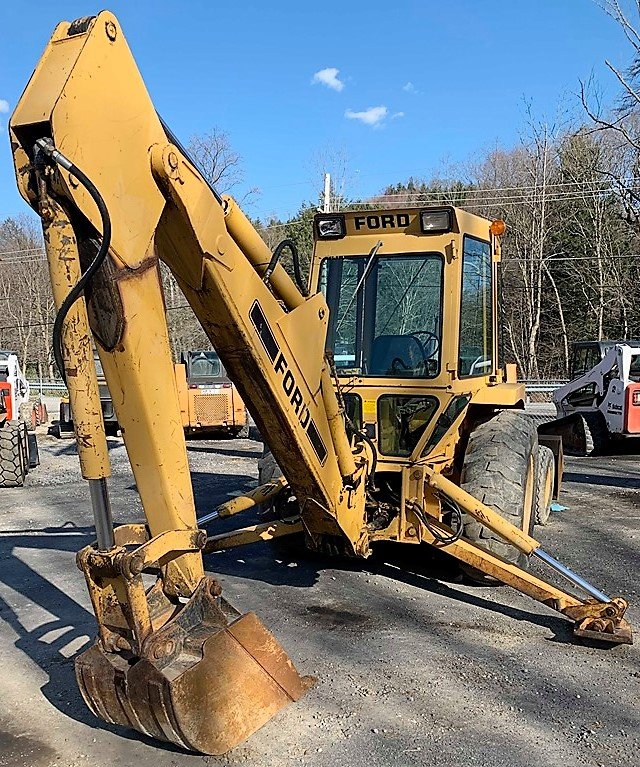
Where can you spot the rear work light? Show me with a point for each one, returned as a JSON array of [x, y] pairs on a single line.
[[635, 399], [330, 227], [436, 221]]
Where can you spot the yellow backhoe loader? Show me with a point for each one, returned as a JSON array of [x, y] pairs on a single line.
[[408, 430]]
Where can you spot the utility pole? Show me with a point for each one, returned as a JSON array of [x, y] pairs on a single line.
[[326, 202]]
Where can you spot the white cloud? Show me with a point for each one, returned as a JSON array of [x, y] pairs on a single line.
[[409, 87], [373, 116], [4, 106], [329, 77], [396, 115]]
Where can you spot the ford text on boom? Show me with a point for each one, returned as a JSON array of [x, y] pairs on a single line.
[[387, 221]]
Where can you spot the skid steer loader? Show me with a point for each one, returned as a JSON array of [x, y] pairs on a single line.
[[209, 402], [601, 404], [18, 446], [407, 430]]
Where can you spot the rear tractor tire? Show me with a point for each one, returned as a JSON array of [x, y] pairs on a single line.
[[545, 477], [499, 469], [12, 465]]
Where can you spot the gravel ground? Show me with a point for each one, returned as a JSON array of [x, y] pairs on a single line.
[[413, 667]]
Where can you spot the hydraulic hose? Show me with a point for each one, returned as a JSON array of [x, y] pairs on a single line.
[[297, 272], [46, 146], [350, 425], [443, 538]]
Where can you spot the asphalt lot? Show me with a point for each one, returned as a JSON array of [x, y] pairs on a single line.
[[413, 667]]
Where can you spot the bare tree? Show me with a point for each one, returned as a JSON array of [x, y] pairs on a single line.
[[220, 164], [26, 302]]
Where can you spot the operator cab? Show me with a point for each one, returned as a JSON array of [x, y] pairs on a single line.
[[585, 355], [412, 317], [204, 370]]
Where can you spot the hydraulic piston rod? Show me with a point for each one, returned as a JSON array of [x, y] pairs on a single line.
[[570, 575]]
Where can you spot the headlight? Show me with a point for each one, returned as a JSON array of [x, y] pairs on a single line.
[[435, 221], [330, 227]]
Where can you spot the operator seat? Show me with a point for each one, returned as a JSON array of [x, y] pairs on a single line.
[[405, 351]]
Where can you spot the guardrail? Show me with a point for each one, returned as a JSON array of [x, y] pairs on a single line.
[[44, 387], [55, 387], [543, 386]]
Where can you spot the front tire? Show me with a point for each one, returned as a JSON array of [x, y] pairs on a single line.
[[12, 468], [499, 469]]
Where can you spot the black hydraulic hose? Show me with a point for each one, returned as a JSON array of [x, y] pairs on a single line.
[[442, 537], [371, 479], [46, 146], [297, 273]]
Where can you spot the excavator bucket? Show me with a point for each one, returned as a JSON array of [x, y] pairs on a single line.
[[205, 681]]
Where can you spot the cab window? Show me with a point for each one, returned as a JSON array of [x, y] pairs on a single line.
[[476, 310], [384, 314]]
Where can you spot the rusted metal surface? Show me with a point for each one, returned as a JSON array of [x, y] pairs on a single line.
[[64, 269], [252, 534], [205, 681], [602, 622]]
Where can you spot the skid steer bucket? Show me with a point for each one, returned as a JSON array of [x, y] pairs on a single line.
[[205, 681]]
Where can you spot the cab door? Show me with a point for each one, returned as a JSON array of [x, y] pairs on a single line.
[[614, 384]]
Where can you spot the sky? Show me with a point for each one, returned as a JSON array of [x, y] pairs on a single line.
[[390, 90]]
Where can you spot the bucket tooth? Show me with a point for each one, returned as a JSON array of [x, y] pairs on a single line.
[[204, 682]]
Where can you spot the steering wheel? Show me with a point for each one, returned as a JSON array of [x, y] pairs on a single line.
[[423, 344]]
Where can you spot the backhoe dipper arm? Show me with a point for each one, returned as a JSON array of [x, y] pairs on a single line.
[[73, 124]]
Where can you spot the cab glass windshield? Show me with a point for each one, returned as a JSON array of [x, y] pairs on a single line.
[[204, 365], [385, 314]]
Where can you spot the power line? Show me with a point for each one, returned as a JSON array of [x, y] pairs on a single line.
[[39, 253]]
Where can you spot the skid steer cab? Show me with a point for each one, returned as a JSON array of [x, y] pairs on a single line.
[[601, 404], [377, 387]]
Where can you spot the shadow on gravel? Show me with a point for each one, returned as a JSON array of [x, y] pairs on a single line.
[[285, 562], [220, 450], [68, 627], [628, 483], [68, 446]]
